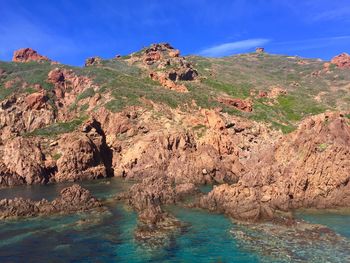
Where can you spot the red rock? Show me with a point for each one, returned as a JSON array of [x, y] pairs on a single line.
[[167, 83], [309, 168], [175, 53], [56, 76], [240, 104], [36, 100], [28, 54], [342, 60], [262, 94]]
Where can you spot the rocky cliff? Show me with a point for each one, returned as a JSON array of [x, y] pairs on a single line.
[[269, 141]]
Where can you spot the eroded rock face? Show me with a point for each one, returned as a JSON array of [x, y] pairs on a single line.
[[342, 60], [67, 86], [27, 55], [307, 168], [36, 100], [81, 157], [20, 114], [71, 199], [167, 83], [167, 67], [240, 104], [24, 159]]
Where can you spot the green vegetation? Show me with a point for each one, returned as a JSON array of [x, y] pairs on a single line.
[[235, 76], [57, 156], [57, 128], [89, 92]]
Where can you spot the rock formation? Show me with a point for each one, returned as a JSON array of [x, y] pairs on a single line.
[[27, 55], [307, 168], [92, 61], [243, 105], [166, 66], [341, 61], [71, 199]]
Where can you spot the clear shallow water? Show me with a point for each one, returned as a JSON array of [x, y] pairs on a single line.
[[109, 237]]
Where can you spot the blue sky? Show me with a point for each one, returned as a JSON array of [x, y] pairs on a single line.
[[69, 31]]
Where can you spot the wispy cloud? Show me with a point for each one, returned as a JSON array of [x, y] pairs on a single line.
[[309, 44], [233, 47], [334, 14]]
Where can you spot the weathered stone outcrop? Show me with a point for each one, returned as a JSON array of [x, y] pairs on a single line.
[[37, 100], [240, 104], [81, 156], [19, 114], [155, 226], [25, 160], [166, 66], [93, 61], [27, 55], [307, 168], [67, 86], [341, 61], [167, 83], [7, 178], [71, 199]]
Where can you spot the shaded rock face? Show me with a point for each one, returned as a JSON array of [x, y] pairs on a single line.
[[24, 159], [27, 55], [307, 168], [162, 78], [92, 61], [341, 61], [81, 157], [71, 199]]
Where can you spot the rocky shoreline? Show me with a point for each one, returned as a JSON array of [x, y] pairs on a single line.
[[258, 172]]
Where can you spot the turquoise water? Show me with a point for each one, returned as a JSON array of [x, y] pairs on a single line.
[[108, 237]]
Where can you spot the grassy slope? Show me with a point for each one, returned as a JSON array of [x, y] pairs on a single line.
[[235, 76]]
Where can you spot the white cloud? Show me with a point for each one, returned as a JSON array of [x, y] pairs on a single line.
[[233, 47]]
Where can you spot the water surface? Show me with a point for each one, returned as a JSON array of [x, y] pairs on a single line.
[[90, 237]]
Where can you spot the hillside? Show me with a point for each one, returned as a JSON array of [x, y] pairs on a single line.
[[272, 131]]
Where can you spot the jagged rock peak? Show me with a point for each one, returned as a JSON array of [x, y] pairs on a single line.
[[27, 55]]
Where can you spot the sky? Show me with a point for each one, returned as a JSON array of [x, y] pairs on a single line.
[[69, 31]]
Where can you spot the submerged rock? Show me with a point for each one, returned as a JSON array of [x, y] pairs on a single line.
[[292, 241]]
